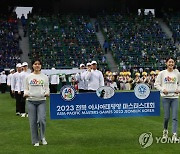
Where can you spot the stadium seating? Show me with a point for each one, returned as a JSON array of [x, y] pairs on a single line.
[[64, 41], [173, 21], [9, 42], [136, 41]]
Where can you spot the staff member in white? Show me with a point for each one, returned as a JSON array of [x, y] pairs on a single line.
[[22, 76], [88, 66], [36, 89], [168, 83], [9, 77], [15, 87], [3, 82], [54, 82], [94, 77], [79, 79]]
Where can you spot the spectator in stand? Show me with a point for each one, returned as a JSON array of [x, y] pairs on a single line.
[[96, 26], [106, 46]]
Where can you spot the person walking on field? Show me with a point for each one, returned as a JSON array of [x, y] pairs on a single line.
[[36, 89], [168, 83]]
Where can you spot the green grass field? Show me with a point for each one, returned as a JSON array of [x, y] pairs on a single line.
[[80, 136]]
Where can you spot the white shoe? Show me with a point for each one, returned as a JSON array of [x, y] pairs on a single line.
[[44, 142], [175, 138], [165, 133], [17, 113], [23, 115], [36, 144]]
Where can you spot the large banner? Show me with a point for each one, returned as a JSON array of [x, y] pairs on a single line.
[[68, 105]]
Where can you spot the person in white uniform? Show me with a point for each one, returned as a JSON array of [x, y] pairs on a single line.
[[9, 77], [3, 82], [54, 82], [94, 77], [79, 79], [15, 87], [22, 76], [88, 66]]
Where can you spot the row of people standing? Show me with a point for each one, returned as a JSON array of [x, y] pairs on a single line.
[[124, 81], [17, 87], [90, 79]]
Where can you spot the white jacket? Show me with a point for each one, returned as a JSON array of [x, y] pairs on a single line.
[[95, 79]]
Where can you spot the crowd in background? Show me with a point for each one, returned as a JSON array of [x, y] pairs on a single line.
[[9, 42]]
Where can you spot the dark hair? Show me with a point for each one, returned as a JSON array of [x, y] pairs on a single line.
[[167, 59], [33, 61]]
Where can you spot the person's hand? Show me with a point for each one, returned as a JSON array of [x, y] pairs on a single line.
[[25, 95], [19, 92], [177, 91], [13, 91], [46, 95], [165, 91], [89, 69]]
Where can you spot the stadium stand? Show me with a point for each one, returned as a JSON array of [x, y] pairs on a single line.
[[64, 40], [9, 42], [174, 24], [137, 41]]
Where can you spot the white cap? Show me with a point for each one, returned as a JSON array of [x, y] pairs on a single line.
[[93, 62], [88, 64], [3, 71], [81, 65], [18, 65], [11, 70], [53, 68], [24, 64], [114, 73]]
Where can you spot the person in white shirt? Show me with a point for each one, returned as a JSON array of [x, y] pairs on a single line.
[[3, 82], [54, 82], [79, 79], [63, 79], [22, 76], [15, 87], [36, 89], [94, 77], [12, 71], [88, 66], [168, 83]]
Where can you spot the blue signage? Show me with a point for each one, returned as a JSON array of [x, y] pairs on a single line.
[[89, 105]]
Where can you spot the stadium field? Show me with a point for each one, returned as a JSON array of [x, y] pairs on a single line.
[[80, 136]]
